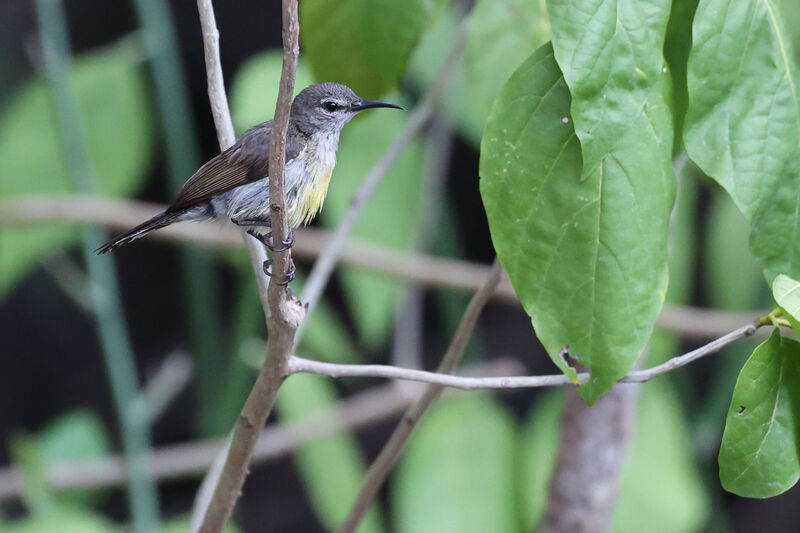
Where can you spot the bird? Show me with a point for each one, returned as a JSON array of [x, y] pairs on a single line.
[[234, 185]]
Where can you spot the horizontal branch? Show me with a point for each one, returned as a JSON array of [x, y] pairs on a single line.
[[192, 459], [423, 270], [300, 365]]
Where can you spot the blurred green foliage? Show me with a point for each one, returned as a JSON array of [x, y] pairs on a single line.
[[112, 93]]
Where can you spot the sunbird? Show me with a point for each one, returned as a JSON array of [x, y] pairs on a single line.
[[235, 184]]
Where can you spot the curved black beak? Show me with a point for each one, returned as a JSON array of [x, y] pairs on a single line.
[[369, 104]]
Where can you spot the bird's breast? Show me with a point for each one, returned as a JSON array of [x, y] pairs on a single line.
[[319, 159]]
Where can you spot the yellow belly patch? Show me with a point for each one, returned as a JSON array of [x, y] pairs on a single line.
[[310, 197]]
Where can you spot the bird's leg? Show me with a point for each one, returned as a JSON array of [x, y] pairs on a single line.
[[250, 222], [266, 240], [289, 275]]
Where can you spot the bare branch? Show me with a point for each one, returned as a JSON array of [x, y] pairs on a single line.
[[379, 470], [284, 314], [216, 85], [298, 365], [591, 451]]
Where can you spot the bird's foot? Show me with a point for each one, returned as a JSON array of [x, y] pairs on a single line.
[[266, 240], [289, 275]]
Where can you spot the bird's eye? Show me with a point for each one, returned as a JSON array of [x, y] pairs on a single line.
[[330, 106]]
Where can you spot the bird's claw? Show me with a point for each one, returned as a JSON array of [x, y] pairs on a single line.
[[289, 275], [266, 240]]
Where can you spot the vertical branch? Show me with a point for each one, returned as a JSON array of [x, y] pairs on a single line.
[[591, 450], [380, 468], [285, 314], [216, 86], [104, 291]]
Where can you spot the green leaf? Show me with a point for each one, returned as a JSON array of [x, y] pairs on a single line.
[[332, 467], [659, 450], [743, 125], [786, 294], [254, 90], [586, 253], [388, 218], [74, 436], [365, 44], [112, 93], [610, 53], [457, 471], [760, 452]]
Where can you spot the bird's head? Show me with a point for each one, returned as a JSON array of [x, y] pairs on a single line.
[[327, 107]]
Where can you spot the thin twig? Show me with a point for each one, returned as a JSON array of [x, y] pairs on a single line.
[[285, 314], [301, 365], [323, 267], [379, 469], [166, 384]]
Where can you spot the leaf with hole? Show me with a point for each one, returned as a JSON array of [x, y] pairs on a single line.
[[610, 53], [585, 251], [760, 452]]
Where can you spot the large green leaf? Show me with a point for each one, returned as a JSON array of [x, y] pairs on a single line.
[[610, 52], [659, 450], [331, 466], [113, 96], [743, 125], [362, 43], [457, 473], [760, 452], [585, 250]]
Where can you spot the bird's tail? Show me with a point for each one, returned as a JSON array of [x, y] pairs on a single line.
[[158, 221]]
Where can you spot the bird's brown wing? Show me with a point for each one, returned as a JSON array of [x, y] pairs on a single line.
[[244, 162]]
